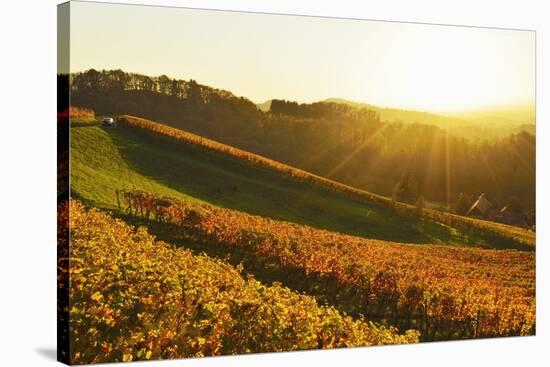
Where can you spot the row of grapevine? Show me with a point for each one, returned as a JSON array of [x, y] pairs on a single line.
[[445, 292], [135, 298], [75, 112], [517, 237]]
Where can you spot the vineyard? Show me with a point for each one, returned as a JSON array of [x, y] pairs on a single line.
[[135, 298], [78, 113], [444, 292], [506, 235]]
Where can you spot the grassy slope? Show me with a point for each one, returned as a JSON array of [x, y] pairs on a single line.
[[106, 159]]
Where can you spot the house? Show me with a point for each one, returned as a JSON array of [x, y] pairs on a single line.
[[481, 208], [508, 215]]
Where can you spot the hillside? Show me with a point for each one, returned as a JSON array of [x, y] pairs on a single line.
[[104, 160], [518, 115], [386, 113], [135, 298], [154, 158], [355, 146], [384, 281], [482, 124]]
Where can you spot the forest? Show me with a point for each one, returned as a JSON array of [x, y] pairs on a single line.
[[353, 145]]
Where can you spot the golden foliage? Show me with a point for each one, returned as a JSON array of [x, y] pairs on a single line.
[[449, 292], [135, 298]]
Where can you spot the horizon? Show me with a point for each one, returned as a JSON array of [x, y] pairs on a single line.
[[445, 70]]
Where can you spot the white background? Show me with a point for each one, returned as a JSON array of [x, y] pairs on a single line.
[[28, 183]]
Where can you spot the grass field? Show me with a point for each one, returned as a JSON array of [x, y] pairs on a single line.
[[106, 159]]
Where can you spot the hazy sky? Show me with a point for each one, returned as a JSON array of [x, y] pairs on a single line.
[[260, 56]]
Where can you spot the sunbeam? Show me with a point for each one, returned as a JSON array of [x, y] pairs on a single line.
[[340, 165]]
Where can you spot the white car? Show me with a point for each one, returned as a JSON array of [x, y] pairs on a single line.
[[108, 122]]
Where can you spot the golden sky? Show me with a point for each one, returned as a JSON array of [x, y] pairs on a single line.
[[261, 56]]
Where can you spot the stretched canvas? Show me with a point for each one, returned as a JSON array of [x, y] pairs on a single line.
[[233, 182]]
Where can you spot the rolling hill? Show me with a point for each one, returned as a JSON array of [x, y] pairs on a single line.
[[144, 155], [348, 144], [104, 160], [388, 114], [407, 116], [482, 124]]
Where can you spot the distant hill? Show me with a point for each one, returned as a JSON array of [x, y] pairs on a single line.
[[513, 120], [264, 106], [528, 128], [514, 116], [406, 116], [481, 124]]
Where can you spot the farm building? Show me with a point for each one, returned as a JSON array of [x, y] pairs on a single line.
[[509, 215], [482, 208]]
